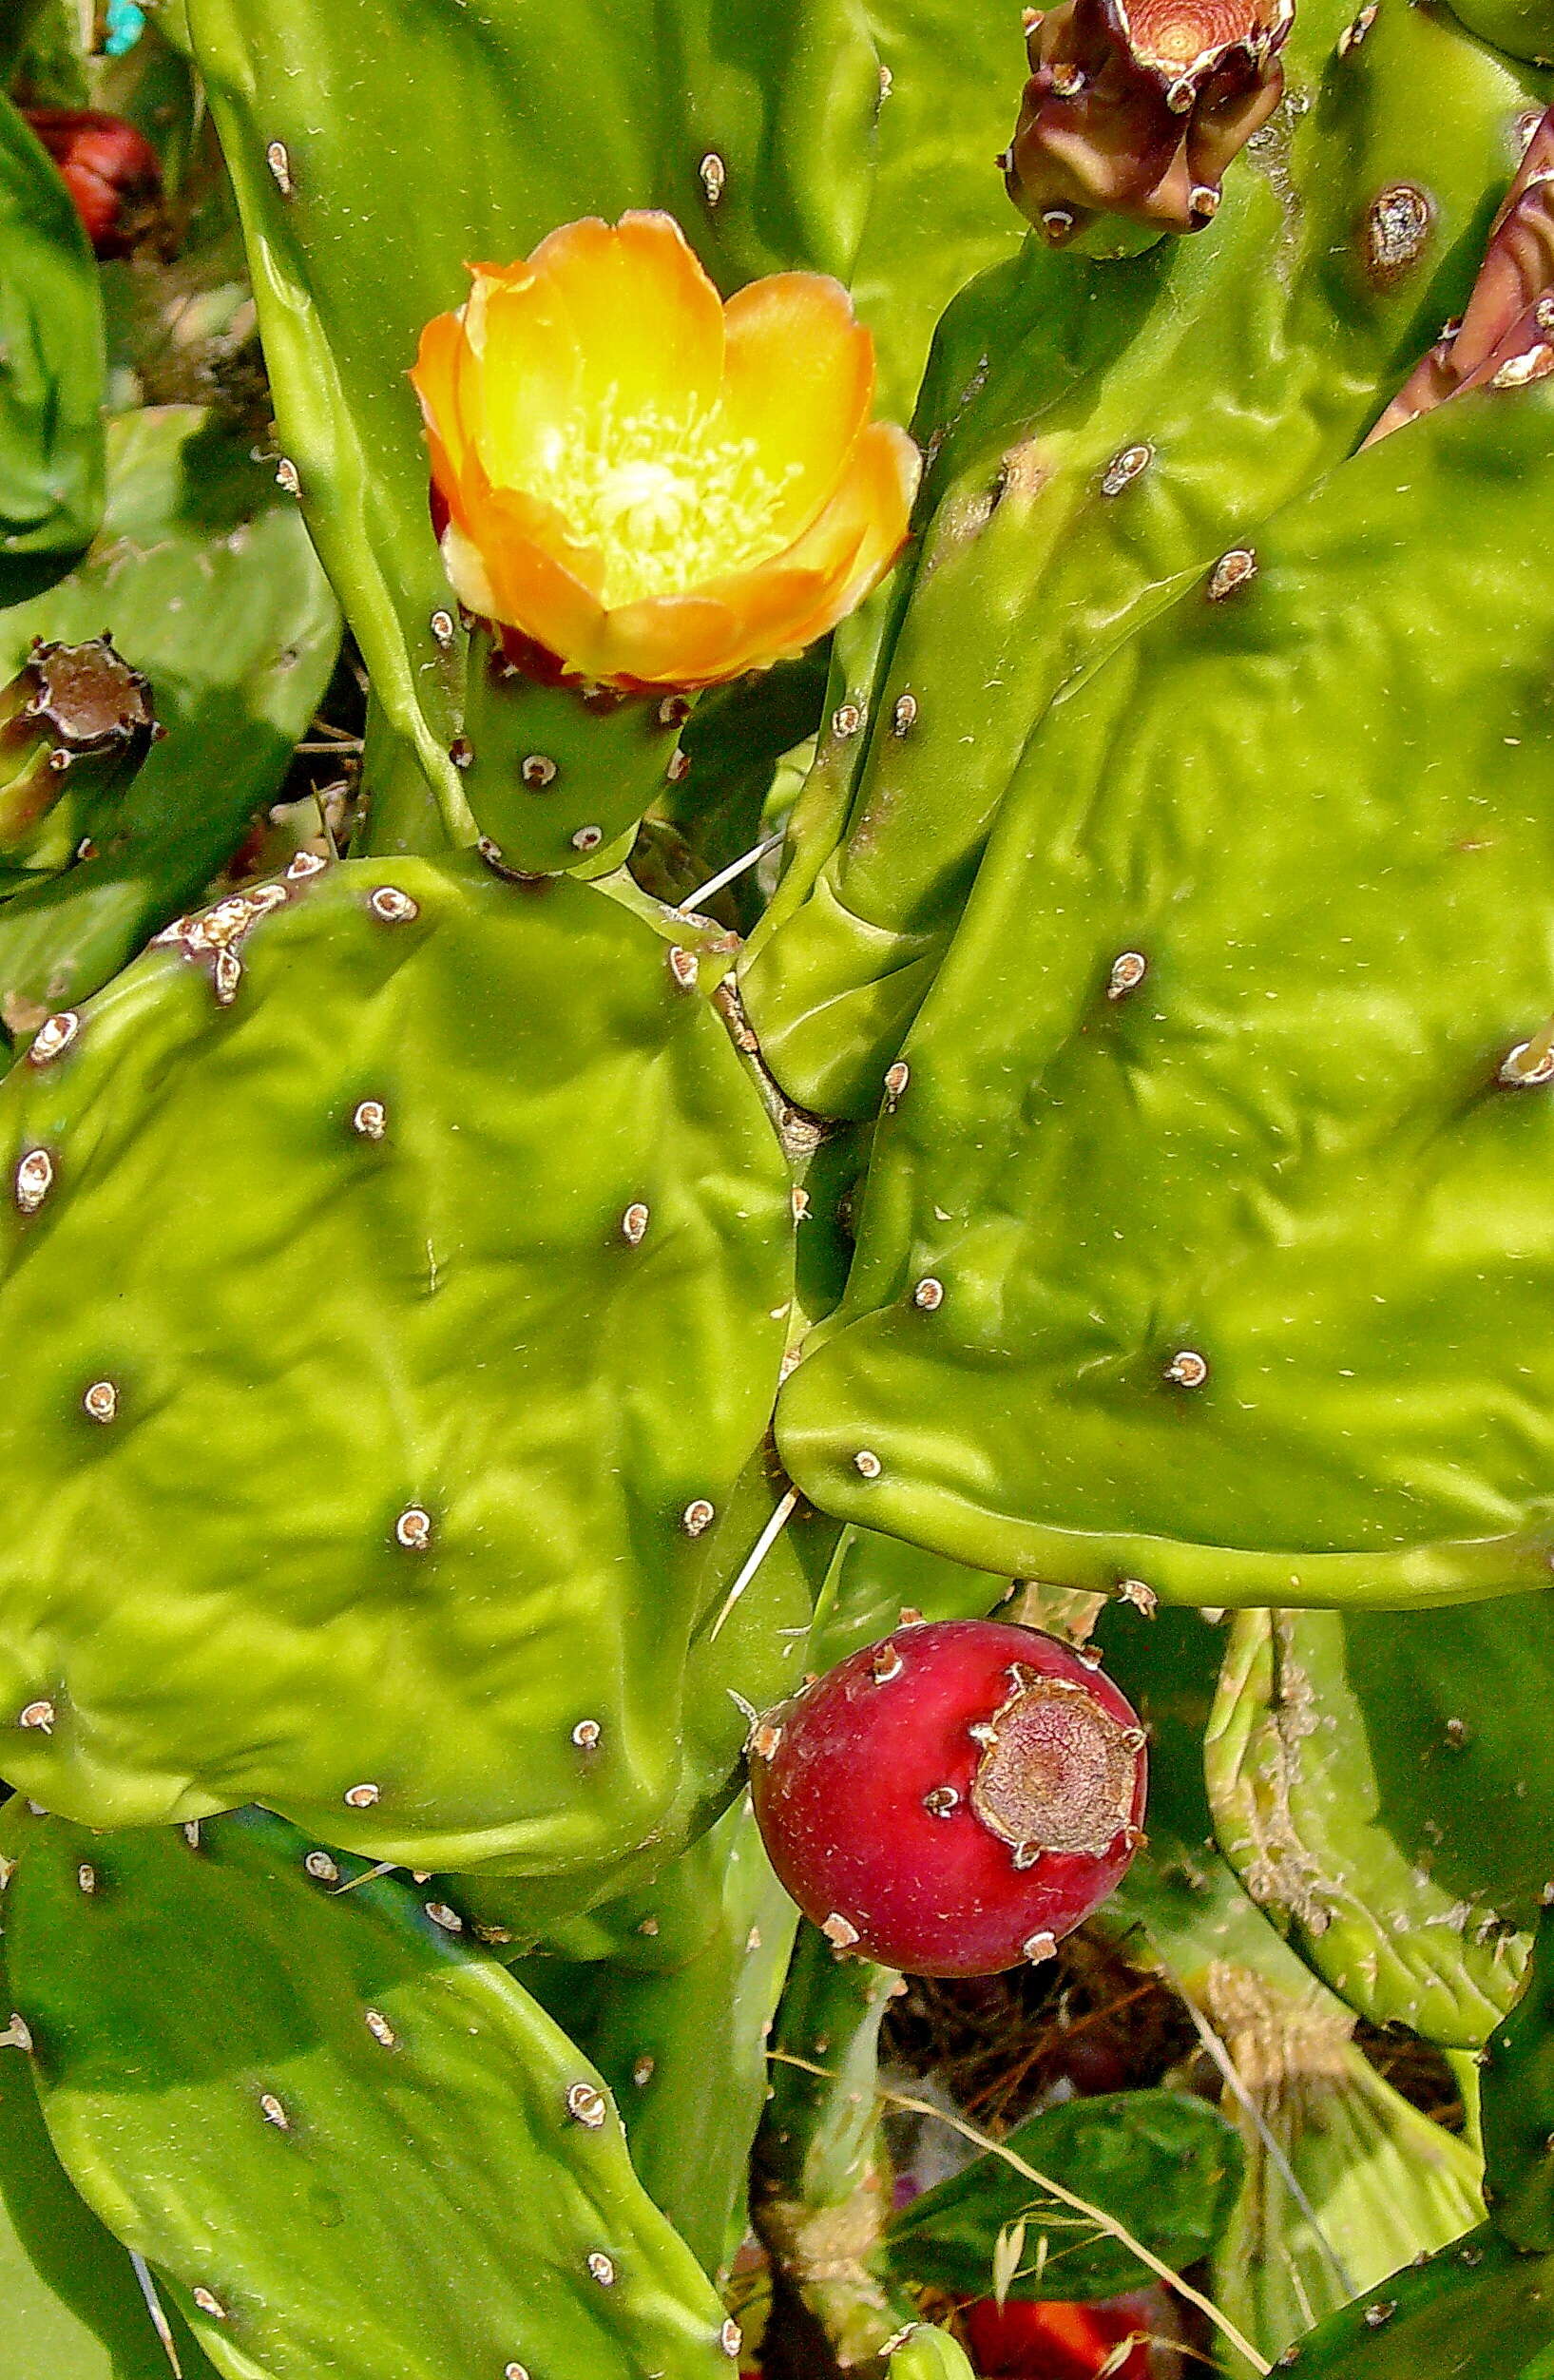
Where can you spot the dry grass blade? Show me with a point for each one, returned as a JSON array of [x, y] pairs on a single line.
[[1096, 2215]]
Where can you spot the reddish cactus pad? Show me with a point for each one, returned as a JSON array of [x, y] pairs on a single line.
[[952, 1799]]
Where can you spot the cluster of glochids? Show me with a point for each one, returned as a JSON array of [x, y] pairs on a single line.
[[953, 1799]]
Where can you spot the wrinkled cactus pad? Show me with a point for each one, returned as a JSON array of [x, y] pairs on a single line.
[[1353, 1760], [392, 1286], [1208, 1239]]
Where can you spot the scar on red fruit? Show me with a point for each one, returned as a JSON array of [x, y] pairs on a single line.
[[1057, 1771]]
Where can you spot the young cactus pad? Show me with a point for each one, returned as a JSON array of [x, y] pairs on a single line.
[[351, 2142], [391, 1291]]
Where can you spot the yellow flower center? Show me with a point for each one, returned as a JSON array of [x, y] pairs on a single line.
[[668, 501]]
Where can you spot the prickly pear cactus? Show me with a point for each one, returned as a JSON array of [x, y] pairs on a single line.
[[1475, 2306], [1104, 431], [205, 576], [751, 126], [445, 1230], [1350, 1756], [676, 2017], [877, 1031]]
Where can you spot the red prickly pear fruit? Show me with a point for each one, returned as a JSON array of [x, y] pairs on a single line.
[[111, 170], [1052, 2341], [951, 1800]]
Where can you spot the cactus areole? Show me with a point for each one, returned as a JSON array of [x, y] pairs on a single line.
[[953, 1799]]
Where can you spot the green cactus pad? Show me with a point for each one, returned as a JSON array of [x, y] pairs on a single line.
[[404, 1301], [1204, 1243], [1518, 2104], [1104, 430], [1477, 2307], [676, 2022], [204, 574], [51, 384], [950, 77], [873, 1580], [1345, 2180], [1382, 1786], [354, 2144], [74, 2309], [1522, 27]]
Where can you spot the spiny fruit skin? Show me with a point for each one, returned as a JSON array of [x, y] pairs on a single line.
[[111, 170], [952, 1799]]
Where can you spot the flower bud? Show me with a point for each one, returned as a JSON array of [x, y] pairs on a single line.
[[75, 723], [1138, 106]]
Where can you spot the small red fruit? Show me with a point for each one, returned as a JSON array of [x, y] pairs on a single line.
[[953, 1799], [1046, 2341], [111, 170]]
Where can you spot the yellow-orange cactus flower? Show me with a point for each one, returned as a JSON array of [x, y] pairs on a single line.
[[654, 488]]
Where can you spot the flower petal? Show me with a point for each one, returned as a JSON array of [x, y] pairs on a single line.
[[646, 321], [801, 594], [799, 379], [668, 640], [434, 377], [528, 574]]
